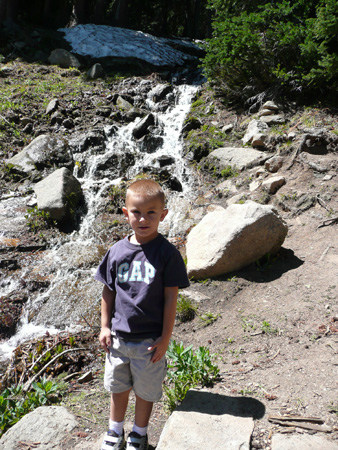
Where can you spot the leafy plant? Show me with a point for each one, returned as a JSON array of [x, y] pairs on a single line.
[[185, 310], [208, 318], [186, 370], [37, 219], [267, 328], [15, 402]]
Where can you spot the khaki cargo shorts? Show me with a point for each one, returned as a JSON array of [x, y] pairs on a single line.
[[128, 366]]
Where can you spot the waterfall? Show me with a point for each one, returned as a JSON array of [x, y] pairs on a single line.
[[73, 294]]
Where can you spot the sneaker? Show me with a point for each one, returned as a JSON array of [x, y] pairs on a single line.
[[113, 441], [137, 442]]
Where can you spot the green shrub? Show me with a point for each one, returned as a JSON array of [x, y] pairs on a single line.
[[15, 402], [291, 45], [186, 370]]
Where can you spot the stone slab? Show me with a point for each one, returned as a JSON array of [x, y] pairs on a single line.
[[211, 421], [304, 441]]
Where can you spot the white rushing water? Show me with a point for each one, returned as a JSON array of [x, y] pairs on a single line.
[[73, 291]]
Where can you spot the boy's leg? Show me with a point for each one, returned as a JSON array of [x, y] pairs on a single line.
[[143, 410], [118, 405]]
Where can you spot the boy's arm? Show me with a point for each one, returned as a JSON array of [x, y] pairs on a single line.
[[161, 344], [107, 306]]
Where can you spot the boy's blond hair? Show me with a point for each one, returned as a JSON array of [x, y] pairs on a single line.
[[146, 188]]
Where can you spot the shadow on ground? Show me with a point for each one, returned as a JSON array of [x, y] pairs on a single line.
[[217, 404], [268, 268]]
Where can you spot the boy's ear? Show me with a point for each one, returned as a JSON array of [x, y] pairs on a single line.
[[125, 212], [164, 213]]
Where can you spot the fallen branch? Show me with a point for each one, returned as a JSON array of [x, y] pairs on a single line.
[[308, 423], [297, 419], [328, 222], [29, 382]]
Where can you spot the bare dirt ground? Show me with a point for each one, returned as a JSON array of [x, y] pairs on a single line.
[[274, 327], [273, 331]]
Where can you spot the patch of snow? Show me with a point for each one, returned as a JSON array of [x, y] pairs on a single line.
[[99, 41]]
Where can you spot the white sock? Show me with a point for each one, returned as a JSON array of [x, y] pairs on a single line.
[[142, 431], [116, 426]]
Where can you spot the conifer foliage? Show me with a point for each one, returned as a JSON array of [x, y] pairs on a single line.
[[292, 45]]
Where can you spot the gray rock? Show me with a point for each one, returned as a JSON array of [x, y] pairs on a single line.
[[270, 105], [52, 106], [96, 71], [296, 442], [231, 239], [41, 152], [63, 58], [256, 133], [274, 164], [209, 421], [275, 119], [239, 158], [46, 426], [59, 194], [272, 184], [123, 104]]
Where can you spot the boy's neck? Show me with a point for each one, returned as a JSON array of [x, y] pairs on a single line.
[[138, 240]]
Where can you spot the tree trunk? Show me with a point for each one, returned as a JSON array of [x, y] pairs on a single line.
[[99, 11], [79, 12], [121, 13], [9, 10]]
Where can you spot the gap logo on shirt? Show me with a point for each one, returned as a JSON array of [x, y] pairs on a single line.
[[138, 271]]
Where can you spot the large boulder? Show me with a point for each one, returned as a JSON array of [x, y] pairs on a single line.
[[59, 194], [45, 151], [231, 239], [46, 427], [63, 58]]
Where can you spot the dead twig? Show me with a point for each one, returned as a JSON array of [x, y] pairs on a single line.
[[327, 222], [29, 382]]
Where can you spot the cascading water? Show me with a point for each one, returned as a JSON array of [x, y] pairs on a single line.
[[70, 264]]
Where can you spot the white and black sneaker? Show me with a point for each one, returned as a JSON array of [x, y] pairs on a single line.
[[113, 441], [137, 442]]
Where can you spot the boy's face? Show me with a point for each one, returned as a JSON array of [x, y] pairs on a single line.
[[144, 215]]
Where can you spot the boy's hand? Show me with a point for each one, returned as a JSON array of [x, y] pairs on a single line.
[[105, 338], [159, 348]]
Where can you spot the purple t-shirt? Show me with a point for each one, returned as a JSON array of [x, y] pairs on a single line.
[[138, 274]]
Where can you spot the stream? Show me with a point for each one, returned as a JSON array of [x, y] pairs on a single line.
[[72, 298]]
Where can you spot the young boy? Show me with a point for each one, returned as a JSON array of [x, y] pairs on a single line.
[[141, 275]]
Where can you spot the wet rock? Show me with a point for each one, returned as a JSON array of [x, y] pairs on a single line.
[[150, 143], [141, 127], [159, 92], [192, 124], [94, 139], [165, 160], [63, 58], [10, 313]]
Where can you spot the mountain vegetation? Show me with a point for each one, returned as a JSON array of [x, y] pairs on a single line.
[[252, 48]]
